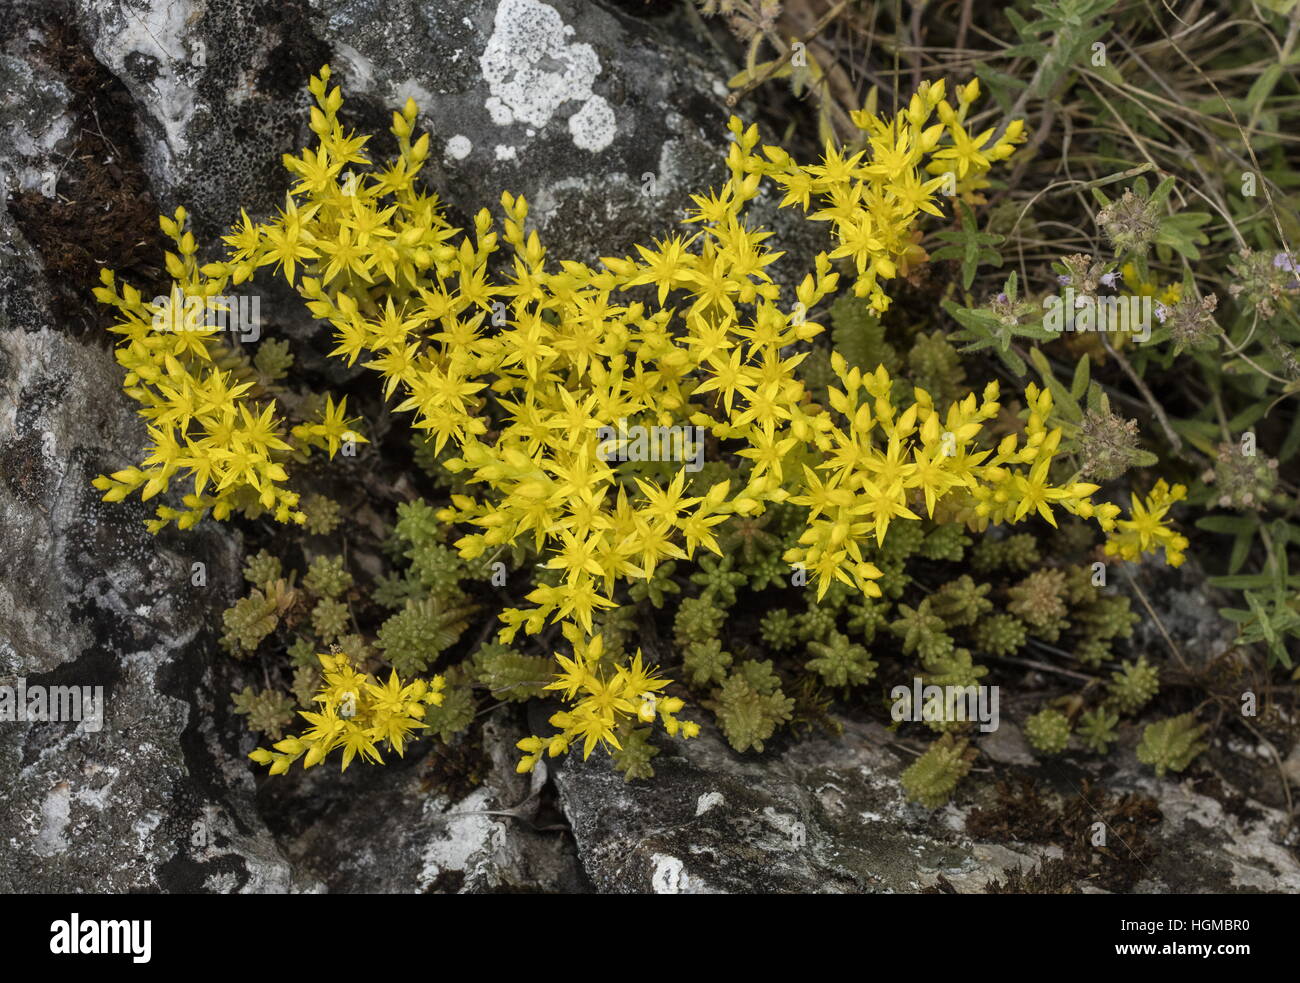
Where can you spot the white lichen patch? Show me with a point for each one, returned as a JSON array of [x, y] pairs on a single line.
[[224, 882], [56, 813], [355, 67], [160, 30], [458, 147], [593, 126], [470, 836], [411, 89], [790, 827], [499, 111], [707, 801], [533, 69], [668, 877]]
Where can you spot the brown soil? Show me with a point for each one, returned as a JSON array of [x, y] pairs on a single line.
[[1022, 814], [103, 213]]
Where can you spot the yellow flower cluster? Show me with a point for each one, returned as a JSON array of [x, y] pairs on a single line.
[[202, 420], [1148, 530], [605, 698], [358, 714], [880, 462], [872, 198], [524, 371]]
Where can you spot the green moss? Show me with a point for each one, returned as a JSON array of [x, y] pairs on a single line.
[[779, 629], [248, 623], [945, 542], [306, 683], [435, 567], [457, 710], [935, 366], [619, 628], [859, 336], [961, 602], [303, 653], [751, 538], [355, 645], [1013, 554], [815, 372], [922, 631], [817, 621], [767, 571], [955, 668], [262, 569], [699, 619], [1000, 634], [273, 360], [330, 619], [718, 581], [657, 588], [867, 617], [1039, 600], [412, 639], [322, 514]]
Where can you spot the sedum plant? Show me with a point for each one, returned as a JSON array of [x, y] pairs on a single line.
[[515, 368], [357, 714], [935, 774], [203, 422], [1171, 744], [1048, 731]]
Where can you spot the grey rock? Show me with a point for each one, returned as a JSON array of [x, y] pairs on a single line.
[[34, 118], [1006, 744], [1207, 849], [823, 816], [88, 598], [132, 793], [606, 125], [829, 816], [160, 795], [399, 829]]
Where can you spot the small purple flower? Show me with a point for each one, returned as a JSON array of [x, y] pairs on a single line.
[[1161, 312], [1002, 298], [1062, 279], [1110, 279], [1285, 261]]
